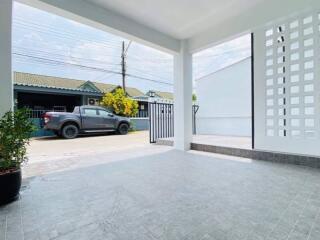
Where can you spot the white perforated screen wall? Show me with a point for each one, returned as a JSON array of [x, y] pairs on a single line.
[[287, 85]]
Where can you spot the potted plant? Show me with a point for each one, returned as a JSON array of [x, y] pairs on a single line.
[[15, 133]]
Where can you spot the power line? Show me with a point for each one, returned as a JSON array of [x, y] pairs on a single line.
[[44, 57], [50, 61], [43, 54], [153, 68], [50, 54], [204, 73], [141, 72], [66, 63], [126, 51], [232, 50], [61, 32], [77, 40], [148, 79], [25, 21], [104, 76], [204, 68], [124, 69], [154, 60]]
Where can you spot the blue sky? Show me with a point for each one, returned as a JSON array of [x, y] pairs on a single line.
[[48, 44]]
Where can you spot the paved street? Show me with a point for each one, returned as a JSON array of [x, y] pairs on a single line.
[[53, 154]]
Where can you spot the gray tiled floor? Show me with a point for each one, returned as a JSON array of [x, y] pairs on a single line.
[[168, 195]]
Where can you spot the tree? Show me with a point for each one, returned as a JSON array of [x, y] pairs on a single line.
[[120, 104]]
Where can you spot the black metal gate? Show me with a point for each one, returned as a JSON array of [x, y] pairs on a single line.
[[161, 116], [161, 120], [195, 109]]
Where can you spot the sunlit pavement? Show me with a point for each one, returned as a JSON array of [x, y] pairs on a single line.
[[50, 154]]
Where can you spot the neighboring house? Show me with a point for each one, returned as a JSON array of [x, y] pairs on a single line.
[[47, 93], [40, 92], [162, 97], [224, 98]]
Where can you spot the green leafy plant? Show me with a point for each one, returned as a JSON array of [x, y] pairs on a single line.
[[194, 97], [15, 134]]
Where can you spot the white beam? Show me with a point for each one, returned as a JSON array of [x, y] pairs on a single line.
[[183, 98], [6, 85], [106, 20], [264, 13]]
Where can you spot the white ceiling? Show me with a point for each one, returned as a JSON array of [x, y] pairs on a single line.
[[178, 18]]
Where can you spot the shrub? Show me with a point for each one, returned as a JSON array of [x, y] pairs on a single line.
[[15, 133], [120, 104]]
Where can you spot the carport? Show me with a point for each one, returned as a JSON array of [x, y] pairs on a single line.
[[195, 26], [172, 193]]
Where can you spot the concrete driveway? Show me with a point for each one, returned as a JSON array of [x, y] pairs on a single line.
[[52, 154], [53, 148]]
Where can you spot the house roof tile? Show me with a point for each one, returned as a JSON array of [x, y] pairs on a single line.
[[36, 80], [166, 95]]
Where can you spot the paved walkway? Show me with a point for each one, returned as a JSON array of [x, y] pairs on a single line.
[[156, 192]]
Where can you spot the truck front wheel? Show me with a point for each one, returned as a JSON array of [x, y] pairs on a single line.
[[69, 131], [123, 128]]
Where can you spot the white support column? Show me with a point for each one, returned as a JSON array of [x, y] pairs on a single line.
[[6, 85], [183, 98]]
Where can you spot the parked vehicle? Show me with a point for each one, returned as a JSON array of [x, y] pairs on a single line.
[[84, 120]]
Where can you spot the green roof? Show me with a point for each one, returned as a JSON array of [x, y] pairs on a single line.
[[27, 79], [35, 80], [165, 95], [103, 87], [133, 92]]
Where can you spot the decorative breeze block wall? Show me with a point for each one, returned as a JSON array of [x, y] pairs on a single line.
[[288, 74]]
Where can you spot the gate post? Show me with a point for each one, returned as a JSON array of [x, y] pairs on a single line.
[[183, 98]]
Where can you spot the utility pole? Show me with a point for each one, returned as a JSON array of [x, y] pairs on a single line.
[[124, 64], [123, 67]]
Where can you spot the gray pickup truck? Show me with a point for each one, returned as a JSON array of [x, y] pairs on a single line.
[[85, 119]]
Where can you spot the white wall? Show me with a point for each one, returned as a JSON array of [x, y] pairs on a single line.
[[6, 86], [224, 98], [287, 85]]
